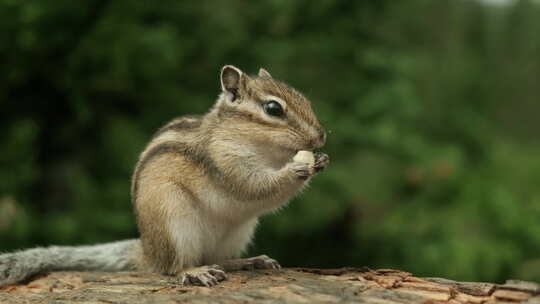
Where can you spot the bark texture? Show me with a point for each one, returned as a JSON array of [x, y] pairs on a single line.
[[293, 285]]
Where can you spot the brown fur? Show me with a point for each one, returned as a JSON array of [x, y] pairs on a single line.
[[160, 175], [220, 150]]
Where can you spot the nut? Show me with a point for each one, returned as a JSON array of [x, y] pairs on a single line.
[[304, 157]]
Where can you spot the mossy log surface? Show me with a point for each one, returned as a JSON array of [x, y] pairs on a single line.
[[291, 285]]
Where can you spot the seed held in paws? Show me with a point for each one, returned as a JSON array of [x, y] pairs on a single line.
[[304, 157]]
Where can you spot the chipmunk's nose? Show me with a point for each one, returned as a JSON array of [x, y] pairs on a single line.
[[320, 140]]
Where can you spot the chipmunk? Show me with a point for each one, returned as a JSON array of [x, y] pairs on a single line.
[[200, 185]]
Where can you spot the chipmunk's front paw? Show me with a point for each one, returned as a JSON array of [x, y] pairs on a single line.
[[301, 170], [203, 276], [321, 161], [306, 164]]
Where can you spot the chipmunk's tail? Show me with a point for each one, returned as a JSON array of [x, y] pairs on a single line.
[[19, 266]]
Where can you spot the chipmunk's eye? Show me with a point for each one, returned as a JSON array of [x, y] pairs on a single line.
[[273, 108]]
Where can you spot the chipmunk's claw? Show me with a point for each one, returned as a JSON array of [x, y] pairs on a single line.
[[204, 276]]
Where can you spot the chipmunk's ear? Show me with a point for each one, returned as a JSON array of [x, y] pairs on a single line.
[[264, 73], [231, 80]]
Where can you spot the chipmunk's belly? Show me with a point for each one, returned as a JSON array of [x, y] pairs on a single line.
[[228, 241], [230, 227], [222, 205]]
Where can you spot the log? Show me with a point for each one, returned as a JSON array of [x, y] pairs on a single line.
[[291, 285]]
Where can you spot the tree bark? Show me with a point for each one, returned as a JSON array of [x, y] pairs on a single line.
[[292, 285]]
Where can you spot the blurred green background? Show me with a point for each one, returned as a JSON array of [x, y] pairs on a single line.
[[432, 108]]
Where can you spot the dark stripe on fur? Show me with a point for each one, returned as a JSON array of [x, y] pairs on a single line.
[[193, 199], [181, 123], [242, 116], [191, 153]]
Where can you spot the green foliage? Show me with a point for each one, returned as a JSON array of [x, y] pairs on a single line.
[[431, 108]]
